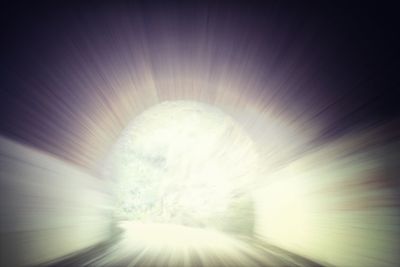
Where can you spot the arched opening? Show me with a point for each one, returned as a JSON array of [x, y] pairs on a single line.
[[184, 163]]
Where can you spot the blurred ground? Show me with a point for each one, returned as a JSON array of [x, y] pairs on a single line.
[[134, 246]]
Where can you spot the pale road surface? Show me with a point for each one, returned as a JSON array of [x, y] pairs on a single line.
[[170, 245]]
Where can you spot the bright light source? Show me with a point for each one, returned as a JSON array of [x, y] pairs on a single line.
[[181, 162]]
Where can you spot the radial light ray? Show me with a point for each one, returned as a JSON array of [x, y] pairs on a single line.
[[208, 134]]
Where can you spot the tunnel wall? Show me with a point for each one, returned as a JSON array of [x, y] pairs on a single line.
[[49, 208], [337, 205]]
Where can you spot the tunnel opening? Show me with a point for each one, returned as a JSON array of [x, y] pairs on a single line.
[[184, 163]]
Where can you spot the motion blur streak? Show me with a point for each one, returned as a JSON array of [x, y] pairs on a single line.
[[141, 134], [337, 204], [49, 208]]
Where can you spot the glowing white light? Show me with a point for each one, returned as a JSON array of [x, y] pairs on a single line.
[[181, 162]]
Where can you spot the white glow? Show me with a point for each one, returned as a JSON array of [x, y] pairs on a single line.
[[181, 162], [285, 209]]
